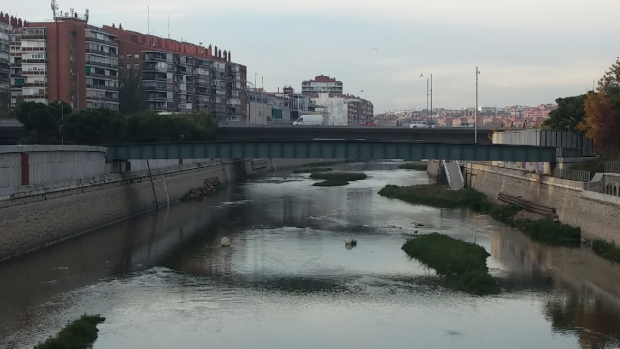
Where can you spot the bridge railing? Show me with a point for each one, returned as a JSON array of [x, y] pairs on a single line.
[[573, 175], [612, 166]]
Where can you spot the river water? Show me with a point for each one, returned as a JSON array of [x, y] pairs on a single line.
[[288, 280]]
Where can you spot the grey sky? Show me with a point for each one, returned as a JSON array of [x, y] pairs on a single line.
[[529, 51]]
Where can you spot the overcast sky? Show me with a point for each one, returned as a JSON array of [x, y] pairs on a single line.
[[528, 51]]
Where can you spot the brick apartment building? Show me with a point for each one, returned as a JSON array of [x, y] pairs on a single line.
[[322, 84], [83, 65], [183, 77]]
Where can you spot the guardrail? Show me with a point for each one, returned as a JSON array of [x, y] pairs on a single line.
[[573, 175], [612, 166]]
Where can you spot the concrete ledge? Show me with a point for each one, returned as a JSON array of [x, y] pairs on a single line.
[[532, 177], [605, 198], [42, 189], [50, 148]]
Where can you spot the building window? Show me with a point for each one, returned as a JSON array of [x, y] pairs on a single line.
[[128, 66], [136, 56], [129, 56], [136, 66]]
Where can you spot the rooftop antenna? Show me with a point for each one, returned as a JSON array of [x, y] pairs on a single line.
[[168, 26], [86, 16], [54, 7]]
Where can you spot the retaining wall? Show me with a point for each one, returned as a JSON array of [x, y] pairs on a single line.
[[39, 215], [597, 218]]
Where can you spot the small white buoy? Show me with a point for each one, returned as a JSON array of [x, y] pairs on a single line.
[[348, 241], [225, 241]]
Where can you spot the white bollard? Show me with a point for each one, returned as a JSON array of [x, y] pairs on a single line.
[[225, 241]]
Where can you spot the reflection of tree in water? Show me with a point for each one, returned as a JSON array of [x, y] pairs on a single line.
[[594, 321]]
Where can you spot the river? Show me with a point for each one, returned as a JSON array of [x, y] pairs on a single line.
[[288, 281]]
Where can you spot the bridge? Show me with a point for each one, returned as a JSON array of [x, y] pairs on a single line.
[[285, 132], [331, 149]]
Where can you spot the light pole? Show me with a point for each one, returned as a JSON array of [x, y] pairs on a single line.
[[427, 94], [476, 112]]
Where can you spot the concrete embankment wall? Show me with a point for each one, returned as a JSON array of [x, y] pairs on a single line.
[[436, 172], [597, 218], [34, 216]]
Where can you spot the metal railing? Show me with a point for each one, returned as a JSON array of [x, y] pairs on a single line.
[[612, 166], [573, 175]]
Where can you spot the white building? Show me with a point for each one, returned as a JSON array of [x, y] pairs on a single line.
[[335, 109], [321, 84]]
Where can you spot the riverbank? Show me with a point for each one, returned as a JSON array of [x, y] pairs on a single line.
[[440, 196], [37, 216]]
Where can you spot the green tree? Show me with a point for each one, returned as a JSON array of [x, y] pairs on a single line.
[[131, 94], [94, 127], [5, 104], [42, 121], [570, 112]]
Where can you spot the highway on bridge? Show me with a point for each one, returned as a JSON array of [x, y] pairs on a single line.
[[462, 135]]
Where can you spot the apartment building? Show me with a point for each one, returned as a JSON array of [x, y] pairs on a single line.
[[322, 84], [66, 60], [6, 28], [183, 77]]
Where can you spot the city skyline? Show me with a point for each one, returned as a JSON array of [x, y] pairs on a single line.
[[522, 49]]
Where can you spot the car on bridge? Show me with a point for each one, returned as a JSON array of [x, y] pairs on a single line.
[[419, 124], [465, 124]]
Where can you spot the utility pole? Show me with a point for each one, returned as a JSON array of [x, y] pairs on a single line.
[[431, 96], [427, 98], [476, 112]]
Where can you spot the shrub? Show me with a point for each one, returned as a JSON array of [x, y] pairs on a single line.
[[607, 250]]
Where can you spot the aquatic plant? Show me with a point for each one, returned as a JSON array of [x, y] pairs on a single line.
[[79, 334], [452, 257], [607, 250], [312, 169], [331, 183], [345, 176]]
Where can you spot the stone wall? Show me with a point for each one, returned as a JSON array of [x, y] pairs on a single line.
[[597, 219], [39, 215], [39, 164]]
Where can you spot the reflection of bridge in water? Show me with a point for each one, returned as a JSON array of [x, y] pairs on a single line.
[[586, 297]]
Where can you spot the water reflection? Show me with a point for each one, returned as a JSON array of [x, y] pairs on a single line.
[[163, 280]]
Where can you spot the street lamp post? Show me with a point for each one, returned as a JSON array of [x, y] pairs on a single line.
[[476, 112]]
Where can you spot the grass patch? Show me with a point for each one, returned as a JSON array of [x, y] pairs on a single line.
[[345, 176], [420, 166], [79, 334], [448, 256], [607, 250], [435, 195], [549, 232], [331, 183], [312, 169]]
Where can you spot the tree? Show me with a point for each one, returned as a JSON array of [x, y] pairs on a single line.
[[131, 94], [5, 104], [610, 84], [94, 127], [601, 123], [570, 112]]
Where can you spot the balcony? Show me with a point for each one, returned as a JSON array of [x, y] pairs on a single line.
[[152, 57], [103, 53], [101, 64], [33, 37], [104, 99], [102, 76], [33, 84], [102, 87]]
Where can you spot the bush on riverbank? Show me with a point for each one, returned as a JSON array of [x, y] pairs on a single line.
[[607, 250], [312, 169], [548, 231], [450, 256], [440, 196], [419, 166], [331, 183], [80, 334], [345, 176]]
